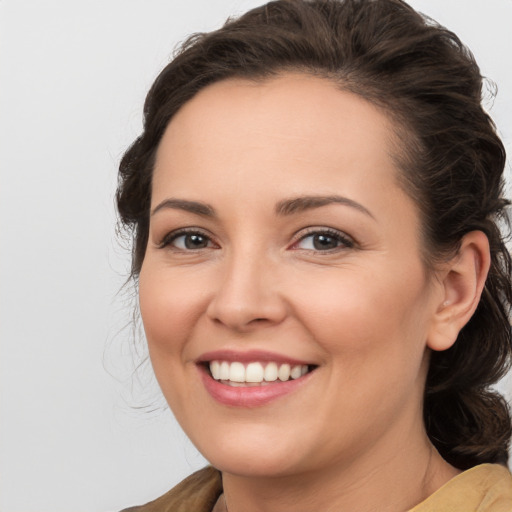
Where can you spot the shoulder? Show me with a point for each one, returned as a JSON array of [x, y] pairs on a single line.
[[497, 488], [198, 492], [483, 488]]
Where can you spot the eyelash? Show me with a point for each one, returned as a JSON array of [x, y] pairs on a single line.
[[344, 242], [174, 235]]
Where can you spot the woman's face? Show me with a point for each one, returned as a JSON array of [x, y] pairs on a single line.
[[281, 242]]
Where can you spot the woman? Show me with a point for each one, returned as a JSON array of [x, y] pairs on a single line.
[[325, 292]]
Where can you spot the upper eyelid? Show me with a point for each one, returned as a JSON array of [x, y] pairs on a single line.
[[312, 230], [176, 233], [345, 242]]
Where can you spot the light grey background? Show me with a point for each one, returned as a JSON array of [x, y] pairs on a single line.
[[73, 76]]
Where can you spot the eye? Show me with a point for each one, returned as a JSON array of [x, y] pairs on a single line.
[[187, 241], [323, 240]]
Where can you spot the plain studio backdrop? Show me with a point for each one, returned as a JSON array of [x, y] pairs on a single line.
[[78, 432]]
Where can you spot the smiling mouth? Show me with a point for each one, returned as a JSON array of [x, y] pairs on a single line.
[[238, 374]]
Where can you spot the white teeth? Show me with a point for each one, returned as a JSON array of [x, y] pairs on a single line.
[[215, 369], [296, 372], [284, 372], [237, 372], [271, 372], [256, 373], [224, 371]]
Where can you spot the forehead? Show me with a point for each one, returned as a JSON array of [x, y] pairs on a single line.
[[293, 127], [293, 104]]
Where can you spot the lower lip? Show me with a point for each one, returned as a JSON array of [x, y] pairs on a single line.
[[250, 396]]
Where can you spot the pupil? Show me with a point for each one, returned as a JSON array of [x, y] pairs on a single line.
[[324, 242], [195, 242]]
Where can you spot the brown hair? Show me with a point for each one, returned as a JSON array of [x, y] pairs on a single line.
[[451, 163]]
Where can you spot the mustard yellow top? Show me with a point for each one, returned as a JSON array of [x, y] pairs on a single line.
[[484, 488]]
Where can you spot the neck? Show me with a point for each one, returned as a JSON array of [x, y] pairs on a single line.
[[394, 476]]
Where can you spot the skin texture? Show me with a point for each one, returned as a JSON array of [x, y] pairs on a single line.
[[365, 312]]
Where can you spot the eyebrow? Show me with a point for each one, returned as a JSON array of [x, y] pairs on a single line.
[[303, 203], [189, 206], [283, 208]]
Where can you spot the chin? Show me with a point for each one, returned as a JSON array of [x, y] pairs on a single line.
[[259, 450], [253, 465]]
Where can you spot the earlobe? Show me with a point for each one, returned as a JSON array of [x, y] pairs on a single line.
[[462, 282]]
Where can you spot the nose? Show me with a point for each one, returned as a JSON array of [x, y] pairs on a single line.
[[248, 295]]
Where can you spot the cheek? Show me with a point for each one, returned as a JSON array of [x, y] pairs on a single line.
[[169, 308], [367, 317], [372, 332]]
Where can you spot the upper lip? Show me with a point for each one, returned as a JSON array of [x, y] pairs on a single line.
[[249, 356]]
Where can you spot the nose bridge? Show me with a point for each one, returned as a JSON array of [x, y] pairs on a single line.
[[246, 294]]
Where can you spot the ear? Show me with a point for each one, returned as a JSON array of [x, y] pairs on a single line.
[[462, 281]]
